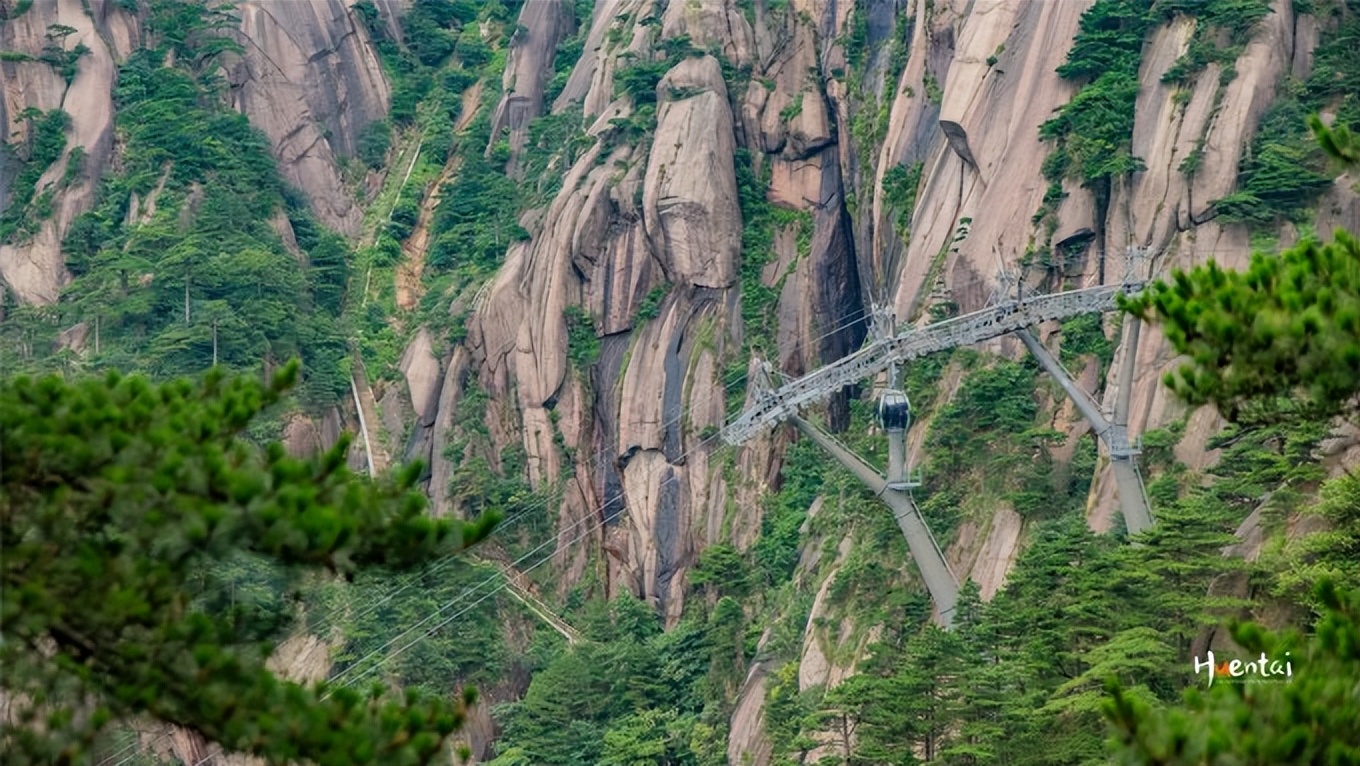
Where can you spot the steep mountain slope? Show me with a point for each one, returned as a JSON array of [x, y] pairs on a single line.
[[598, 248], [83, 74], [572, 232]]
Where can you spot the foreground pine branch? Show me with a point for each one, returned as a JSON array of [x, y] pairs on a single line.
[[115, 494]]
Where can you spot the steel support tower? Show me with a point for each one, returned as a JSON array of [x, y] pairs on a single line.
[[930, 561], [1010, 316]]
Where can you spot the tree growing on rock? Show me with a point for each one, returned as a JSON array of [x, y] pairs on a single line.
[[1308, 718], [116, 496], [1287, 326]]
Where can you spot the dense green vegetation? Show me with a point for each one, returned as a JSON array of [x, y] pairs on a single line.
[[1021, 679], [634, 694], [446, 80], [1309, 719], [761, 219], [899, 191], [1285, 171], [986, 446], [148, 550], [389, 634], [1214, 19], [1093, 132], [1085, 336], [46, 140], [476, 221], [204, 278], [1290, 323], [1244, 363]]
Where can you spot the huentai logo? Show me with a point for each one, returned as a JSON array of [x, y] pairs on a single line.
[[1263, 669]]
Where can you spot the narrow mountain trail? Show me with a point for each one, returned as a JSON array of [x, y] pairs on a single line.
[[407, 154], [411, 270], [518, 585]]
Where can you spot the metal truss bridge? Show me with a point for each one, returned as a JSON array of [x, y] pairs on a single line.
[[1013, 316]]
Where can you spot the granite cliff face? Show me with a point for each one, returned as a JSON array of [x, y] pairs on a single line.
[[308, 78], [977, 80], [956, 88], [603, 245], [34, 271], [630, 218]]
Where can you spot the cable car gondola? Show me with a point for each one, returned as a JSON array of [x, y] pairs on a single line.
[[894, 411]]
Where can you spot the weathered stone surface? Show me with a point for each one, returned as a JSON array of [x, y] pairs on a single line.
[[34, 270], [591, 82], [690, 199], [814, 668], [421, 368], [522, 326], [652, 487], [641, 422], [541, 27], [311, 82], [301, 437], [795, 118], [1339, 208], [913, 118], [1245, 100], [1158, 199], [119, 27], [987, 561], [746, 740], [711, 24], [994, 112], [796, 183], [989, 25], [395, 417], [610, 245], [450, 395]]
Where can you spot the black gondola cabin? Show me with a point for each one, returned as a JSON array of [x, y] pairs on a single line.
[[894, 411]]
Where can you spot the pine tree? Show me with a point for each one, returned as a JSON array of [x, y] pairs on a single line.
[[987, 688], [116, 496], [929, 674], [1058, 604], [1331, 553], [1308, 718], [876, 715], [1168, 580], [557, 722], [1289, 324]]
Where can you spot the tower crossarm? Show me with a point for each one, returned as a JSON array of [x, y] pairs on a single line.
[[1004, 318]]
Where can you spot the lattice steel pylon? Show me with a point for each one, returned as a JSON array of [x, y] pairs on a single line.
[[1005, 318], [940, 581], [1011, 314]]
